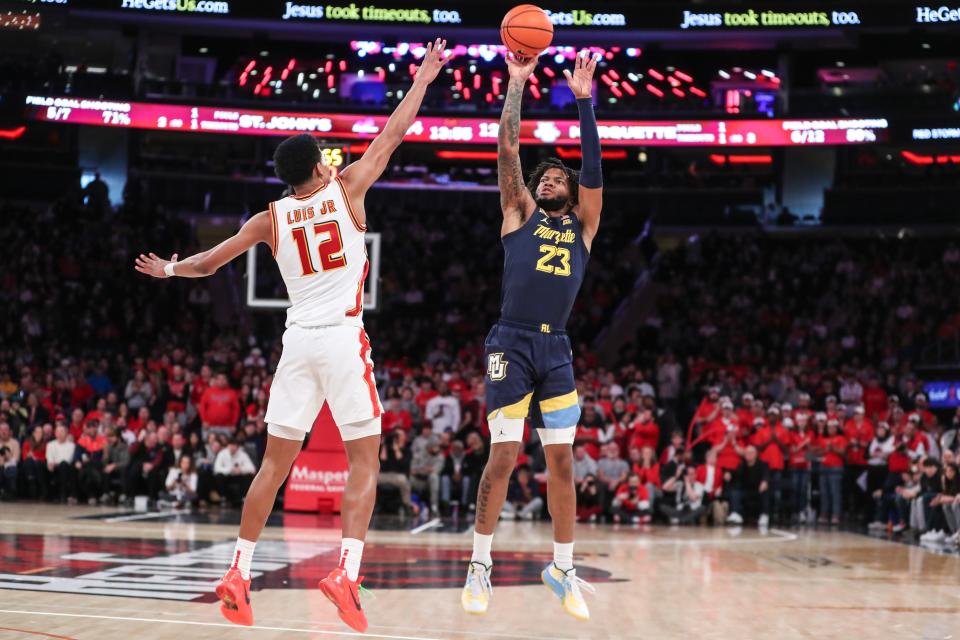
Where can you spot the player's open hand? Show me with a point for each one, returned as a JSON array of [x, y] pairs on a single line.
[[521, 68], [152, 265], [433, 60], [581, 80]]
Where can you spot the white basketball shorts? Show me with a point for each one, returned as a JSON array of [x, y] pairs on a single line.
[[318, 364]]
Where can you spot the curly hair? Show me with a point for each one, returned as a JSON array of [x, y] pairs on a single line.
[[573, 178], [295, 158]]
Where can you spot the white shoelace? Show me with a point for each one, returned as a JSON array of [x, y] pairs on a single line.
[[478, 579], [574, 583]]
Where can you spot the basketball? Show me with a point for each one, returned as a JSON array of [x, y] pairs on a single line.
[[526, 30]]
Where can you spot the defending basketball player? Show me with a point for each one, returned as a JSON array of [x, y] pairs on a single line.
[[548, 227], [317, 237]]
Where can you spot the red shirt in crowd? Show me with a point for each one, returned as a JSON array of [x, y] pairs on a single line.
[[770, 451], [423, 397], [606, 407], [711, 478], [858, 435], [76, 429], [219, 407], [800, 444], [622, 434], [198, 388], [135, 424], [177, 388], [727, 458], [94, 444], [39, 454], [401, 418], [706, 409], [895, 426], [898, 462], [926, 417], [745, 416], [458, 387], [645, 434], [918, 444], [874, 400], [648, 474], [81, 394], [630, 504], [589, 437], [830, 457]]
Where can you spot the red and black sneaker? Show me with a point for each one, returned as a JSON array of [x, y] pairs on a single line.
[[234, 594], [345, 595]]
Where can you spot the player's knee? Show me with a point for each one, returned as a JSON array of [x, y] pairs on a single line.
[[560, 464], [562, 472], [501, 463], [272, 473], [366, 467]]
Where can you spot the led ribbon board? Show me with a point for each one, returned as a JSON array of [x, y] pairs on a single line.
[[345, 126]]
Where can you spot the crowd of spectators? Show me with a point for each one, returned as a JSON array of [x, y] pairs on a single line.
[[813, 412]]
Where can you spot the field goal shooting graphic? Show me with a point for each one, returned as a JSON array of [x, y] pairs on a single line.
[[265, 289]]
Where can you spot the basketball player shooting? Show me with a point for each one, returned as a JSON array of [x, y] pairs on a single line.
[[548, 227], [317, 238]]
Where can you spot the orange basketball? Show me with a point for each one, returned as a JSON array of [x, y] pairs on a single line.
[[526, 30]]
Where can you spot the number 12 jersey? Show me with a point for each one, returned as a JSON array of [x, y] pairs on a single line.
[[322, 255]]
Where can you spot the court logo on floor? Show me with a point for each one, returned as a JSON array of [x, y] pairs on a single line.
[[184, 570]]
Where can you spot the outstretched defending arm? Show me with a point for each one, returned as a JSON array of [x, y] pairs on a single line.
[[515, 198], [361, 175], [259, 228], [591, 175]]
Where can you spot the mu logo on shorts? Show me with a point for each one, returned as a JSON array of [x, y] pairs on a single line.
[[496, 366]]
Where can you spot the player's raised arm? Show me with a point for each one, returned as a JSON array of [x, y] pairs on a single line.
[[259, 228], [515, 198], [361, 175], [591, 176]]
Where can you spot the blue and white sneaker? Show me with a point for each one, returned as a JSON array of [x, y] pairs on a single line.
[[566, 586], [475, 597]]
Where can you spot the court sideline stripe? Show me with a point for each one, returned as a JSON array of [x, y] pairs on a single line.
[[37, 633], [147, 516], [436, 522], [215, 624], [397, 628]]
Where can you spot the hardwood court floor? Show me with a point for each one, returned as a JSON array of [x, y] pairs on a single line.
[[94, 573]]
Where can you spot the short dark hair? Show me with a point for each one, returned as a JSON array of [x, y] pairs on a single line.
[[573, 178], [295, 158]]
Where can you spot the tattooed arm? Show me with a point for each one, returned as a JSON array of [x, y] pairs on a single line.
[[515, 199]]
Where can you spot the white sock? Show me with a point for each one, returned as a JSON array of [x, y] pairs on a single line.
[[481, 548], [563, 555], [243, 556], [351, 551]]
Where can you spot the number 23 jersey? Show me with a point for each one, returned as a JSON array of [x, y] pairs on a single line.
[[543, 267], [322, 256]]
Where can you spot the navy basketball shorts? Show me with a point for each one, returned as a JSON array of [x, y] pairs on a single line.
[[530, 374]]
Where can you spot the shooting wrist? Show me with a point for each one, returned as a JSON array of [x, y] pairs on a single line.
[[168, 269]]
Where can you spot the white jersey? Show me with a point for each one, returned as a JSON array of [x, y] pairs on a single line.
[[322, 255]]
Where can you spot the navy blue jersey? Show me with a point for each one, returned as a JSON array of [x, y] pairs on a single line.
[[543, 267]]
